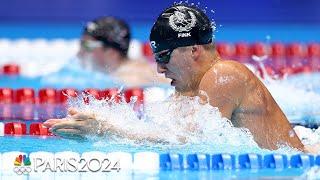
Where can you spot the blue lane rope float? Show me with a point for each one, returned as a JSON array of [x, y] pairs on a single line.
[[250, 161], [275, 161], [302, 161], [223, 161]]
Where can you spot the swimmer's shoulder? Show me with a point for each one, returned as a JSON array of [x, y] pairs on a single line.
[[232, 69], [227, 74], [229, 78]]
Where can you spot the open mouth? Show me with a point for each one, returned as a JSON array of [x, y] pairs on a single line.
[[173, 81]]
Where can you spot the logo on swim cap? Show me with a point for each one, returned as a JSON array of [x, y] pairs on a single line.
[[91, 26], [179, 22], [153, 44], [179, 26]]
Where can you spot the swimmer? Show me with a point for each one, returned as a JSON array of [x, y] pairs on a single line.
[[104, 48], [184, 51]]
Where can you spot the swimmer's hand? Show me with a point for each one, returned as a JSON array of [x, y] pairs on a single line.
[[76, 126], [49, 123]]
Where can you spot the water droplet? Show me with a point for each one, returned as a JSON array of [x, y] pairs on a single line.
[[214, 28], [291, 133]]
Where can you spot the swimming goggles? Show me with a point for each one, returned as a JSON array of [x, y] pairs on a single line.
[[90, 45], [164, 56]]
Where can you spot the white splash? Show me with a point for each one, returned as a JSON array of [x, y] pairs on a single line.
[[308, 136], [298, 95], [312, 173], [201, 126], [295, 102]]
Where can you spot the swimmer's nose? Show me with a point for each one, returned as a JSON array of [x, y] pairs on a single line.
[[161, 68]]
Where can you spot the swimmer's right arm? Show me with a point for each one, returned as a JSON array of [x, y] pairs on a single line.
[[79, 125], [137, 136]]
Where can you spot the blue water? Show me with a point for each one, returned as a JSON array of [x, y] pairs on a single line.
[[233, 174], [30, 144], [212, 174]]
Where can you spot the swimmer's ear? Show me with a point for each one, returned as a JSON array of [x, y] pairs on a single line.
[[195, 52]]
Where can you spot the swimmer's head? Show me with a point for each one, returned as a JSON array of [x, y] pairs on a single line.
[[104, 41], [111, 32], [181, 40], [178, 26]]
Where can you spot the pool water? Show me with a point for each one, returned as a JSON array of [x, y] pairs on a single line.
[[147, 158]]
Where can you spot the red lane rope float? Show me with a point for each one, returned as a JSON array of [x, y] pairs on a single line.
[[226, 50], [242, 52], [38, 129], [6, 95], [47, 96], [64, 94], [11, 69], [260, 49], [15, 128]]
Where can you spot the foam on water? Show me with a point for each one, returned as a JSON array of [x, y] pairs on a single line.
[[312, 173], [294, 101], [199, 125], [308, 136], [296, 96]]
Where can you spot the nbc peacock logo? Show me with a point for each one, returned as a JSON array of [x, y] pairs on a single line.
[[22, 165]]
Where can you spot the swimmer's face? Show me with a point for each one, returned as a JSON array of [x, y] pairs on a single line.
[[93, 51], [179, 68]]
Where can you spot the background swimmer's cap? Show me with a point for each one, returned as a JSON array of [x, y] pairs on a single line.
[[112, 32], [178, 26]]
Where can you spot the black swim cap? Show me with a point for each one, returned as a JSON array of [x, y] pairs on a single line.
[[178, 26], [112, 32]]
